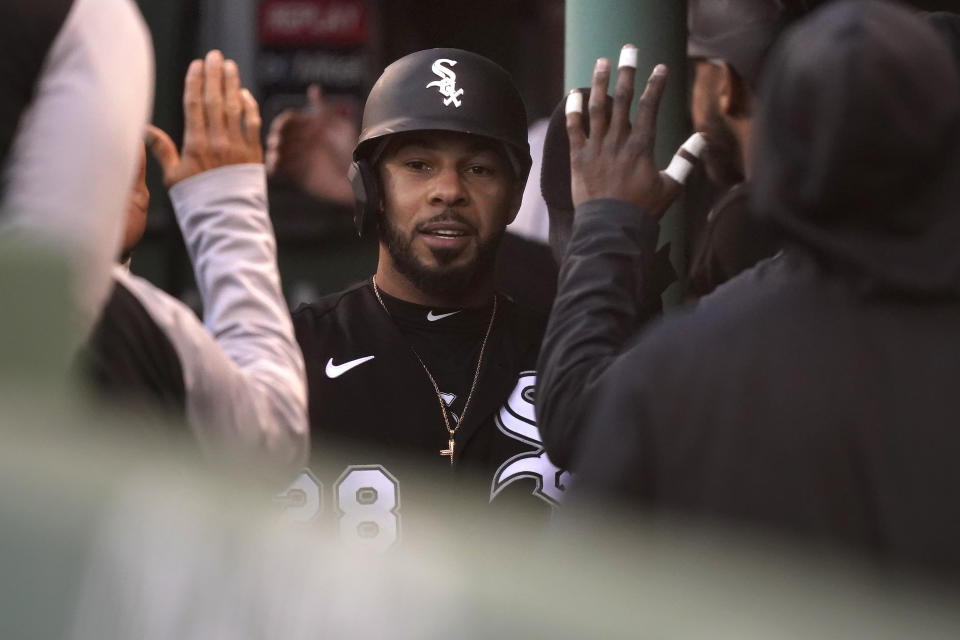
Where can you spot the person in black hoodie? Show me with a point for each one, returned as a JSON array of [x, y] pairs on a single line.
[[948, 25], [727, 45], [816, 392]]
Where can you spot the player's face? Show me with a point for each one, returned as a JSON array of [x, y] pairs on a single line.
[[447, 199], [722, 157]]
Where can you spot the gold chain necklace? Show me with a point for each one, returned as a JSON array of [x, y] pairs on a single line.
[[476, 374]]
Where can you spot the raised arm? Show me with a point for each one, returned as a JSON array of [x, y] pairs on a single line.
[[244, 373], [619, 196]]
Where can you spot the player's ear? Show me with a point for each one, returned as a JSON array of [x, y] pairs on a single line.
[[733, 93]]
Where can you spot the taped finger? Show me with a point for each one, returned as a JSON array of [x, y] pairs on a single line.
[[623, 92], [574, 103], [574, 111], [686, 158], [628, 57]]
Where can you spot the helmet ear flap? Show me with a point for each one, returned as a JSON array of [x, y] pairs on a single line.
[[366, 195]]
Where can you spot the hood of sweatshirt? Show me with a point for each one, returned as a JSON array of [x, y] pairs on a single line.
[[856, 150]]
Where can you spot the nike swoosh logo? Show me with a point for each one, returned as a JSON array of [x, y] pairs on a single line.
[[337, 370], [433, 318]]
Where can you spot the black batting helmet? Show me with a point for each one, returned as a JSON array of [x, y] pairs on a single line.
[[437, 90]]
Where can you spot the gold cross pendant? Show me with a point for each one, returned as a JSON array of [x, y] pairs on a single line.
[[449, 452]]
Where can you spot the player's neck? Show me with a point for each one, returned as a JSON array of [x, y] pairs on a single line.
[[395, 284]]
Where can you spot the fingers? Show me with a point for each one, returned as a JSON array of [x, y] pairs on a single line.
[[597, 106], [645, 126], [162, 149], [194, 118], [574, 112], [623, 92], [686, 159], [314, 97], [274, 139], [251, 118], [671, 189], [213, 96], [232, 101]]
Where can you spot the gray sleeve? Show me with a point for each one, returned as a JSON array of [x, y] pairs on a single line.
[[243, 371], [72, 164], [594, 315]]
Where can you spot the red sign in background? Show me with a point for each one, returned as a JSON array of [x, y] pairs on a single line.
[[291, 23]]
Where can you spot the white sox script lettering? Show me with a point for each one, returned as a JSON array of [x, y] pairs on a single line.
[[447, 84]]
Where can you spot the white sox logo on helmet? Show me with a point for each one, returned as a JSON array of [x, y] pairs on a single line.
[[447, 84]]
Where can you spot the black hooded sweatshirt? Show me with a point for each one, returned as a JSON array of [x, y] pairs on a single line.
[[819, 392]]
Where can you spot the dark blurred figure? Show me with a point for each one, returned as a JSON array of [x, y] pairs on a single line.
[[948, 24], [727, 45], [312, 148], [816, 392]]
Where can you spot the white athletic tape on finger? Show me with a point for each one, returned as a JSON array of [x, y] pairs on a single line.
[[695, 145], [574, 103], [680, 168], [628, 57]]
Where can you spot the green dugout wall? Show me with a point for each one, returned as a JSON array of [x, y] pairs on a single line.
[[598, 28]]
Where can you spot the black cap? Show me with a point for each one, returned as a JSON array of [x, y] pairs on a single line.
[[740, 32]]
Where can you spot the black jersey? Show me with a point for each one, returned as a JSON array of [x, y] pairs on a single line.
[[130, 360], [375, 416], [236, 379]]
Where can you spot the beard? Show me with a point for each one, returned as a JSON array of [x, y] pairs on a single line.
[[443, 279], [722, 157]]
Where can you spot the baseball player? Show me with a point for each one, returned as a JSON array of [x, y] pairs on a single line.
[[237, 379], [425, 366]]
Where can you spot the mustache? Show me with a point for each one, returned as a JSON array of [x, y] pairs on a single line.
[[448, 215]]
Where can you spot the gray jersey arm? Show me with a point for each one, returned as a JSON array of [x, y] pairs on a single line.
[[73, 161], [243, 371]]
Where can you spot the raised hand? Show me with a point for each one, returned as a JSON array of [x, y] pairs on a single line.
[[221, 123], [313, 148], [617, 160]]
